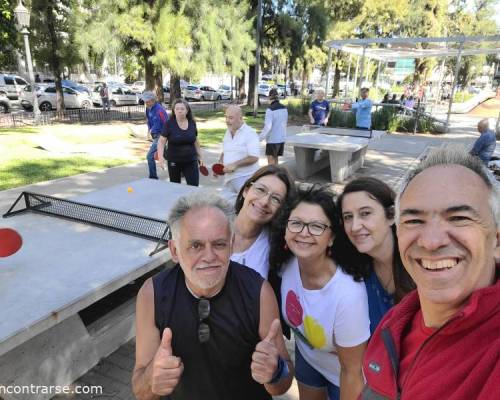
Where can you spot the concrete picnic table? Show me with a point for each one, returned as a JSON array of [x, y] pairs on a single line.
[[342, 149]]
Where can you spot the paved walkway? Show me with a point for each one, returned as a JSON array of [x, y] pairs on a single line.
[[388, 159]]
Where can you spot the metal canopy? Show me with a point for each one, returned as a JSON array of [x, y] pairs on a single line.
[[392, 49]]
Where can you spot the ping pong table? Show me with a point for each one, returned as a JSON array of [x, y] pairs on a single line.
[[343, 150], [64, 267]]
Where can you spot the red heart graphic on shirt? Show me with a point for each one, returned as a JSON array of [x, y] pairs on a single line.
[[293, 308]]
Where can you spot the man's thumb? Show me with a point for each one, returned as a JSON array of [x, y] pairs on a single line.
[[166, 341], [273, 331]]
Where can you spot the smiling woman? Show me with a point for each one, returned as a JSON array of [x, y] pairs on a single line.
[[321, 303], [257, 203]]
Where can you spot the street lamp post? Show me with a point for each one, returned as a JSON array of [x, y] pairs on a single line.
[[23, 22]]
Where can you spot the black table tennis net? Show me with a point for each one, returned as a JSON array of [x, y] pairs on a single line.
[[128, 223]]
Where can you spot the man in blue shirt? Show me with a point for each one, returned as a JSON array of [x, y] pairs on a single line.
[[363, 109], [320, 109], [485, 144], [157, 118]]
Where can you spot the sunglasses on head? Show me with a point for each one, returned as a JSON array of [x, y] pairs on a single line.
[[203, 313]]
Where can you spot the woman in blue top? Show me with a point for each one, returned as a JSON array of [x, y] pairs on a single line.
[[368, 247], [183, 152]]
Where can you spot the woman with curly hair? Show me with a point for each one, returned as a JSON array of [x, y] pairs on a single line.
[[321, 303]]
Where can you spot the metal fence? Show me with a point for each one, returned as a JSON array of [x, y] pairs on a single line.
[[92, 115]]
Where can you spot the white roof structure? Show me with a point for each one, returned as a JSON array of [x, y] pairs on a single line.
[[393, 49]]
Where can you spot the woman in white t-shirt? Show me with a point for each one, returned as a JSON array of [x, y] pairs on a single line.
[[257, 203], [325, 308]]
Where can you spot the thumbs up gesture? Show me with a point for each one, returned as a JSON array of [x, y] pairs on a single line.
[[265, 356], [167, 369]]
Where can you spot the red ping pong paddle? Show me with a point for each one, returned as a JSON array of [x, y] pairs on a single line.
[[203, 170], [156, 156], [10, 242], [218, 169]]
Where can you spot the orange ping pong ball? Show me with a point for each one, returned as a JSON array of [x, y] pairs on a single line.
[[129, 189]]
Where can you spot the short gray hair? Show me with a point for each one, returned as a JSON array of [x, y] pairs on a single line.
[[456, 155], [202, 199]]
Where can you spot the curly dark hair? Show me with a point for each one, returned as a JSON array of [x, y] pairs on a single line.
[[322, 196], [279, 172], [358, 264]]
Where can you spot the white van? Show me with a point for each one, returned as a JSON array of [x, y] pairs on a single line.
[[11, 85]]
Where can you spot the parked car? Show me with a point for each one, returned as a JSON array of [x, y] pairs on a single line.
[[47, 99], [263, 89], [11, 85], [225, 91], [118, 96], [166, 96], [26, 96], [76, 86], [202, 93], [139, 86], [4, 104], [284, 90]]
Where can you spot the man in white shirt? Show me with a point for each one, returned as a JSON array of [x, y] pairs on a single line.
[[240, 152]]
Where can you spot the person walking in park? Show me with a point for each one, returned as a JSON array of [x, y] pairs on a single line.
[[157, 118], [104, 94], [274, 131], [183, 150]]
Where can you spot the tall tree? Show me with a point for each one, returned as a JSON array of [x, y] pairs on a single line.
[[52, 24], [8, 35]]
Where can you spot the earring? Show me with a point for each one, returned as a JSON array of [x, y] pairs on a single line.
[[285, 247], [329, 252]]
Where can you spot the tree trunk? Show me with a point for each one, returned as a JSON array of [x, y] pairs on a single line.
[[159, 84], [241, 87], [251, 85], [54, 60], [149, 70], [175, 88], [336, 84]]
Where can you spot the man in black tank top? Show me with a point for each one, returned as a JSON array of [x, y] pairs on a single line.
[[208, 328]]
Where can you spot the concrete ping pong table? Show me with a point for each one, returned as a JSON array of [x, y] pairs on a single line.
[[64, 267], [342, 149]]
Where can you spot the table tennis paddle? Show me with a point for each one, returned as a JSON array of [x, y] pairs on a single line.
[[218, 169], [156, 156], [203, 170], [10, 242]]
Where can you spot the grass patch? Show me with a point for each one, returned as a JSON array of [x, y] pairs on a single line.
[[17, 131], [210, 136], [22, 172]]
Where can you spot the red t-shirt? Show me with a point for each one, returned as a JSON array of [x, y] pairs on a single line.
[[416, 336]]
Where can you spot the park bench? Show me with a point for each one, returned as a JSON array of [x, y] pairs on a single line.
[[342, 149]]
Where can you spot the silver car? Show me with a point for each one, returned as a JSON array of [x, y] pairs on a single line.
[[118, 96], [202, 93], [47, 99], [4, 104]]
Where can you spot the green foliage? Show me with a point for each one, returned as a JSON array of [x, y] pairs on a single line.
[[462, 96], [298, 107], [8, 35]]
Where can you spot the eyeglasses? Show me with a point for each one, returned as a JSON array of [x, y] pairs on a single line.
[[203, 313], [262, 191], [314, 228]]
